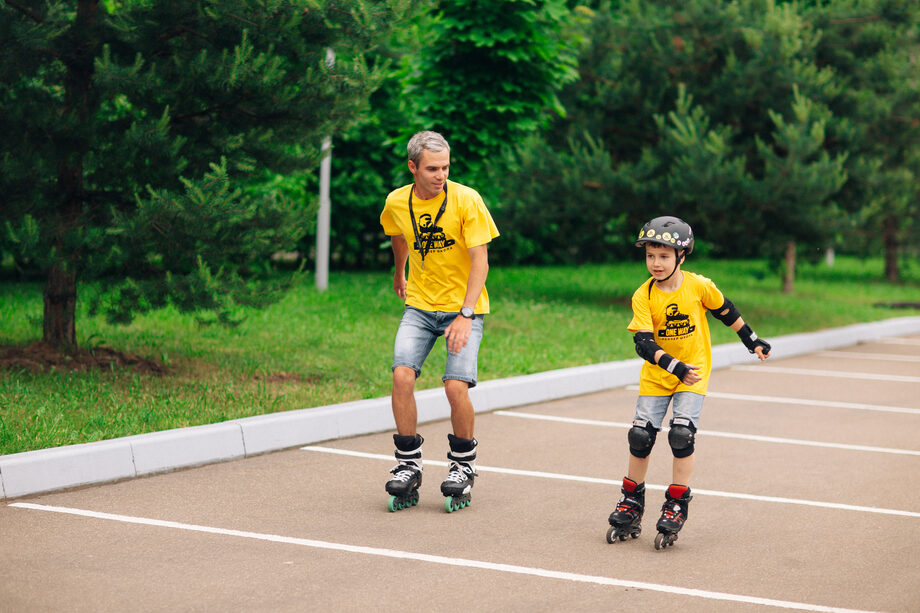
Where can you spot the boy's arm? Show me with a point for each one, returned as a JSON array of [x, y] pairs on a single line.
[[652, 352], [729, 315]]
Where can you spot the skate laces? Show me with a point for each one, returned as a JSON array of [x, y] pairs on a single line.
[[627, 504], [403, 472], [458, 473]]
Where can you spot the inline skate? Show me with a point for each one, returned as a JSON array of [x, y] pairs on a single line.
[[626, 519], [673, 515]]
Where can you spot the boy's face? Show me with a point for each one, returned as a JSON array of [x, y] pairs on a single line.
[[660, 260]]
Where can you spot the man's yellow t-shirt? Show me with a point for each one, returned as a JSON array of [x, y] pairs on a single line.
[[466, 223], [678, 321]]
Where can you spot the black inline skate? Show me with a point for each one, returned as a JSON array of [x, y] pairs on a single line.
[[626, 519], [407, 475], [458, 485], [673, 515]]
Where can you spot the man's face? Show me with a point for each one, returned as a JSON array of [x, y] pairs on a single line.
[[431, 173]]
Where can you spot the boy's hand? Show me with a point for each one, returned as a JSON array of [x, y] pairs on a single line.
[[762, 353], [692, 376]]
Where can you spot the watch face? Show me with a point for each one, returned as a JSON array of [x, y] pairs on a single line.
[[466, 312]]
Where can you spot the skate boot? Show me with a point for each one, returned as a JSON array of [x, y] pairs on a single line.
[[407, 475], [626, 519], [673, 515], [458, 486]]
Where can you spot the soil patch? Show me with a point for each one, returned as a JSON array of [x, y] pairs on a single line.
[[39, 357]]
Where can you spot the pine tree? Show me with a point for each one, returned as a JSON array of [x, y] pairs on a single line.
[[142, 139]]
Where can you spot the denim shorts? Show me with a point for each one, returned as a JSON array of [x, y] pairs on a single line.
[[652, 409], [418, 330]]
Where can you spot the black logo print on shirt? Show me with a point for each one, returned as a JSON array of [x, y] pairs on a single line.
[[431, 235], [676, 324]]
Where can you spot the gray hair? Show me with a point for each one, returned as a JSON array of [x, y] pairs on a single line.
[[425, 141]]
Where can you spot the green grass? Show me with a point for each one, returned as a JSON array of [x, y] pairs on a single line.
[[313, 349]]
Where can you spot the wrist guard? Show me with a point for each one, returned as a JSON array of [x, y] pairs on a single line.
[[750, 340], [674, 366]]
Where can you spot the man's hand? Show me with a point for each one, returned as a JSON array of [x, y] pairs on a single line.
[[458, 333], [399, 285]]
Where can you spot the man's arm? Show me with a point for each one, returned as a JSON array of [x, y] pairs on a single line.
[[458, 332], [400, 257]]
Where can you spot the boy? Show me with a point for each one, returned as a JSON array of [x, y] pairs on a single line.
[[442, 229], [672, 335]]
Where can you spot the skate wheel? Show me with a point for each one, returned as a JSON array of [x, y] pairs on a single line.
[[611, 535], [392, 505], [658, 541], [452, 504]]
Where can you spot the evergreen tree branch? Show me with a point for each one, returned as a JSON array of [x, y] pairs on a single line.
[[26, 11]]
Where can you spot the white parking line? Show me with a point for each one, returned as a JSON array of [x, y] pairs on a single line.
[[891, 357], [617, 483], [435, 559], [746, 437], [840, 374]]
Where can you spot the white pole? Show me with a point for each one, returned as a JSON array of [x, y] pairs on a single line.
[[322, 218], [325, 205]]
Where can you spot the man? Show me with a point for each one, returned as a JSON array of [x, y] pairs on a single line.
[[441, 228]]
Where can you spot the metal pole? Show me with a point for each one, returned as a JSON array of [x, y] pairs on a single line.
[[325, 206], [322, 218]]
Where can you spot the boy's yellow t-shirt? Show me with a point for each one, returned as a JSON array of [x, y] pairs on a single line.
[[678, 321], [466, 223]]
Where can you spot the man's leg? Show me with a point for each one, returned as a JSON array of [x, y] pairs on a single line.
[[462, 415], [403, 400]]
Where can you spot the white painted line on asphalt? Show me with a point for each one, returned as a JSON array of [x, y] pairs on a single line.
[[804, 401], [436, 559], [617, 483], [818, 403], [899, 341], [746, 437], [891, 357], [840, 374]]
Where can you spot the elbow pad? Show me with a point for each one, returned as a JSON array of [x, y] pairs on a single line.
[[728, 313], [646, 346]]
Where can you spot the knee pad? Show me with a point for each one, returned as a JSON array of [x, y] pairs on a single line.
[[641, 439], [681, 437]]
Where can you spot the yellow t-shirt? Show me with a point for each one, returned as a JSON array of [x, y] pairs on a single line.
[[678, 321], [466, 223]]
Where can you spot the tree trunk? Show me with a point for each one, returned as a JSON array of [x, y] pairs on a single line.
[[890, 240], [789, 269], [60, 329]]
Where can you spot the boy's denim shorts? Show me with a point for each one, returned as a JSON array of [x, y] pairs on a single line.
[[652, 409], [418, 330]]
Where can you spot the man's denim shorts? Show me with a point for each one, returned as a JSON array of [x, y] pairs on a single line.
[[417, 333], [652, 409]]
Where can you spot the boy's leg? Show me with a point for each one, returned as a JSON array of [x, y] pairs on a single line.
[[687, 408], [650, 412]]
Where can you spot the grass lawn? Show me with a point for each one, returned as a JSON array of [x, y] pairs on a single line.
[[313, 349]]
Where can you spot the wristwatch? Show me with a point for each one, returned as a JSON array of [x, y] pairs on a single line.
[[467, 312]]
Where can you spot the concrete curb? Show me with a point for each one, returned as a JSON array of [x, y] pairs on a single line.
[[46, 470]]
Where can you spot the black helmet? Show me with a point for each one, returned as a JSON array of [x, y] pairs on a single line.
[[668, 231]]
